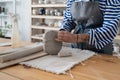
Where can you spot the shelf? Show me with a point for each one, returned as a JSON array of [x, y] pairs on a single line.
[[39, 38], [49, 5], [2, 15], [47, 17], [2, 1], [6, 29], [45, 27], [36, 18]]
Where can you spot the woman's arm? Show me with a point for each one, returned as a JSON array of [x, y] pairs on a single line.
[[65, 36], [98, 37], [68, 24], [102, 36]]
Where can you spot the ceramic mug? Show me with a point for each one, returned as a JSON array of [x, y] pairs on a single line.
[[42, 11], [47, 12], [52, 12], [34, 11], [59, 23], [51, 24], [47, 1], [41, 1], [55, 24], [56, 12], [59, 14]]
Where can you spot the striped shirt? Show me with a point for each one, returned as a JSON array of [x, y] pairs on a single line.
[[104, 35]]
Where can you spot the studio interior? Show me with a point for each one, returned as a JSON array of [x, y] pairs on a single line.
[[59, 39]]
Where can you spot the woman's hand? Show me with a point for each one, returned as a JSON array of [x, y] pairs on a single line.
[[65, 36]]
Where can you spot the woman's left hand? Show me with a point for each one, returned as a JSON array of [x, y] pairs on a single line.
[[65, 36]]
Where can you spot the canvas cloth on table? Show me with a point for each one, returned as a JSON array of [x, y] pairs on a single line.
[[59, 65]]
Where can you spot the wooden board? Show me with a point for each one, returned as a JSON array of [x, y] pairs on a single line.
[[96, 68], [4, 76]]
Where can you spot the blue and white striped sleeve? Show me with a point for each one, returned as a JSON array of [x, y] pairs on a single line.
[[68, 24], [100, 37]]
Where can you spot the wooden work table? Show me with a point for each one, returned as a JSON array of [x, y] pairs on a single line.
[[102, 67]]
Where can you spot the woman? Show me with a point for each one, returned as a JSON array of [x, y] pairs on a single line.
[[98, 39]]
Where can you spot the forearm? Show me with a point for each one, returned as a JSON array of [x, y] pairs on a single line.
[[76, 38], [82, 38], [65, 36]]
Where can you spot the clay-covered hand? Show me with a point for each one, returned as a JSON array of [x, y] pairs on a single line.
[[65, 36]]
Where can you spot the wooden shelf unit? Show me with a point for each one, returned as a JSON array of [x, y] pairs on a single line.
[[47, 17], [45, 27], [49, 5], [35, 37], [37, 17], [56, 5], [2, 1]]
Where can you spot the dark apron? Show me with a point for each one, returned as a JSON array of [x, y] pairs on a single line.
[[85, 14]]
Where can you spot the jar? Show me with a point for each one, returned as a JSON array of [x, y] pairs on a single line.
[[56, 12], [42, 11], [34, 11], [47, 1], [34, 3], [52, 12], [53, 2], [59, 14], [51, 24], [40, 1], [55, 24], [47, 12], [64, 12], [59, 23]]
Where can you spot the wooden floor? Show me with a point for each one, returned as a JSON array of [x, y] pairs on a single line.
[[102, 67]]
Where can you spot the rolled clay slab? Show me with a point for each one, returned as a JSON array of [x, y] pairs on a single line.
[[29, 57], [21, 53], [4, 52], [51, 46]]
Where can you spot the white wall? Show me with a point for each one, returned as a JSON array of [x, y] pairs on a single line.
[[24, 20]]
